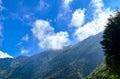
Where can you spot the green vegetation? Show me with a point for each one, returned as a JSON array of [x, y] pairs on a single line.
[[103, 72], [111, 45]]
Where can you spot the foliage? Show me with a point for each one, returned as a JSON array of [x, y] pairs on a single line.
[[103, 72], [111, 43]]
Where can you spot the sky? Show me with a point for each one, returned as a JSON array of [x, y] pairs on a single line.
[[28, 27]]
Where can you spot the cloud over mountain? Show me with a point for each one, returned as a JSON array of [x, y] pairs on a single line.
[[54, 23], [100, 17], [47, 37]]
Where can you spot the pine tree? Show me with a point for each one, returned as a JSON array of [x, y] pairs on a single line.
[[111, 43]]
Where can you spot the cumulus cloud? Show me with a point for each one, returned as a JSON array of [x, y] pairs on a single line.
[[97, 3], [47, 37], [4, 55], [78, 18], [65, 8], [24, 51], [66, 3], [100, 16], [25, 38], [65, 12]]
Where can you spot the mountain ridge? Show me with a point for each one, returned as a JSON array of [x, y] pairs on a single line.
[[74, 62]]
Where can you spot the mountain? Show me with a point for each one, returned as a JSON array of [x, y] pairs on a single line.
[[4, 55], [72, 62], [78, 62]]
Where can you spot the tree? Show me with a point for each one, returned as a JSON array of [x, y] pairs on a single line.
[[111, 43]]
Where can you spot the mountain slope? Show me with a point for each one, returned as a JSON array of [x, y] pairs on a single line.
[[102, 72], [73, 62], [78, 62], [28, 69]]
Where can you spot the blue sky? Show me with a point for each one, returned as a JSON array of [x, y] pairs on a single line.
[[29, 27]]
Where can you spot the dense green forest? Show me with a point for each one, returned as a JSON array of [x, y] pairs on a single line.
[[103, 72]]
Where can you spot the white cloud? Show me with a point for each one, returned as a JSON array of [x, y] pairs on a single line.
[[97, 3], [66, 3], [65, 8], [100, 17], [24, 51], [65, 12], [4, 55], [78, 18], [25, 38], [47, 37]]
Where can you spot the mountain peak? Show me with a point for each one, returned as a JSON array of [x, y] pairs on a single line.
[[4, 55]]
